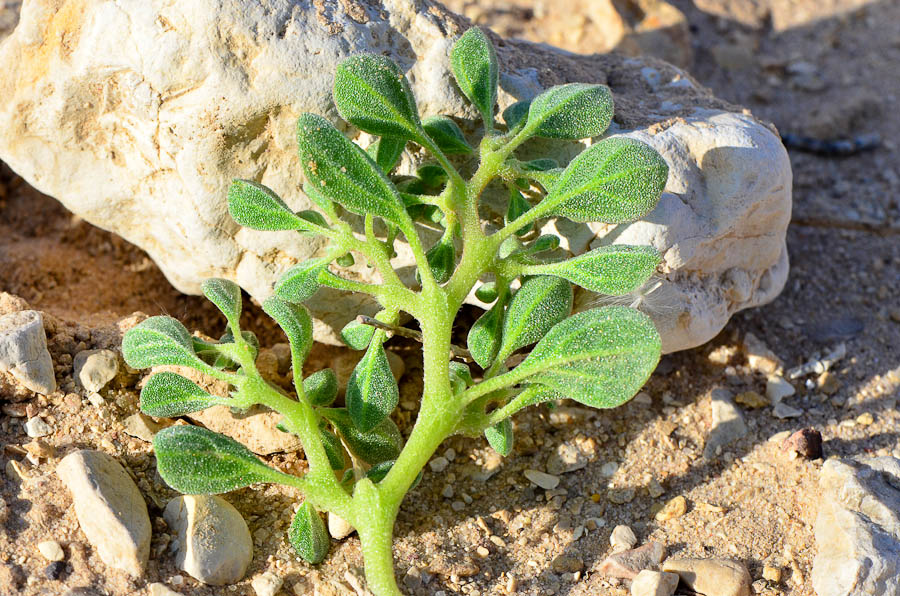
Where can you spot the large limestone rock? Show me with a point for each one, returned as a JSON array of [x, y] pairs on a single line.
[[137, 115], [858, 528]]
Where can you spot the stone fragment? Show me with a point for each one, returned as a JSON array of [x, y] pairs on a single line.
[[654, 583], [566, 563], [94, 369], [782, 411], [338, 527], [567, 458], [752, 400], [51, 550], [110, 509], [772, 574], [158, 589], [23, 351], [759, 356], [36, 427], [711, 577], [805, 443], [542, 479], [142, 427], [439, 464], [865, 419], [256, 428], [627, 564], [858, 528], [266, 584], [727, 423], [777, 388], [720, 225], [622, 538], [828, 383], [214, 543], [674, 508]]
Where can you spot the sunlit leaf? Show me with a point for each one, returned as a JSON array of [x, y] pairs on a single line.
[[308, 535], [301, 281], [541, 302], [257, 207], [614, 270], [571, 111], [296, 323], [371, 92], [321, 387], [474, 64], [157, 341], [446, 134], [167, 395], [226, 295]]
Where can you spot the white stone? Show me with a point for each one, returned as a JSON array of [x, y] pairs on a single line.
[[158, 589], [622, 538], [23, 350], [439, 464], [110, 509], [711, 577], [138, 115], [266, 584], [94, 369], [338, 527], [654, 583], [778, 388], [51, 550], [783, 410], [542, 479], [858, 528], [36, 427], [214, 543], [727, 422]]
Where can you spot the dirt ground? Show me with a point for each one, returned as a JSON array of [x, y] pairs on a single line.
[[826, 70]]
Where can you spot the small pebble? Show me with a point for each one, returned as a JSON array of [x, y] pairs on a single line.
[[36, 427], [622, 538], [772, 574], [759, 356], [777, 388], [627, 564], [542, 479], [482, 552], [158, 589], [567, 563], [752, 400], [439, 464], [721, 577], [447, 493], [51, 550], [609, 468], [782, 411], [655, 489], [266, 584], [828, 383], [865, 419], [806, 443], [674, 508], [654, 583]]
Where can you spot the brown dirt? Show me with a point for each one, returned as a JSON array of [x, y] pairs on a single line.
[[751, 502]]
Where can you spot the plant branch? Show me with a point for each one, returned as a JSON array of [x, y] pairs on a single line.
[[455, 351]]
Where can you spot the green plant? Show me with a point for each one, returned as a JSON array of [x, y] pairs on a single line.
[[359, 467]]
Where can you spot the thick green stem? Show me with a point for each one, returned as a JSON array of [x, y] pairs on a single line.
[[375, 526]]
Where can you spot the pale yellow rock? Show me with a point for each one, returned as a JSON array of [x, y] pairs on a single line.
[[711, 577], [654, 583], [772, 574], [675, 507]]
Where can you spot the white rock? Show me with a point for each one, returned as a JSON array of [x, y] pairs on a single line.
[[439, 464], [711, 577], [95, 368], [176, 100], [782, 410], [51, 550], [858, 528], [654, 583], [110, 509], [23, 350], [266, 584], [158, 589], [36, 427], [542, 479], [727, 422], [622, 538], [778, 388], [338, 527], [214, 543], [141, 426]]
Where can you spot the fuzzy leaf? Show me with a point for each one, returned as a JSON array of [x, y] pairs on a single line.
[[344, 173], [226, 295], [308, 535], [614, 270], [517, 207], [614, 181], [474, 65], [447, 135], [543, 164], [540, 303], [167, 395], [543, 244], [433, 176], [486, 334], [296, 323], [197, 461], [571, 111], [386, 152], [321, 387], [371, 92], [379, 472], [442, 259], [500, 437], [487, 292], [157, 341], [301, 281], [257, 207], [333, 449], [372, 392], [373, 447], [356, 335], [514, 114], [600, 357], [460, 376]]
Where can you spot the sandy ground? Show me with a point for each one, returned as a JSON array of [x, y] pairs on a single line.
[[750, 502]]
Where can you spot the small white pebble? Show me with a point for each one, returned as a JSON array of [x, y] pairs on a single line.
[[438, 464], [622, 538], [266, 584], [457, 505], [36, 427], [158, 589], [51, 550], [482, 552], [609, 468], [450, 454], [177, 580], [542, 479]]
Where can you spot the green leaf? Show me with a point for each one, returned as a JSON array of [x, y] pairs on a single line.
[[371, 92], [296, 323], [308, 535], [386, 152], [226, 295], [460, 376], [321, 387], [344, 173], [333, 449], [257, 207], [442, 259], [543, 243], [540, 303], [157, 341], [447, 135], [379, 472], [486, 334], [474, 65], [372, 392], [356, 335], [571, 111], [167, 395], [614, 181], [433, 176], [600, 357], [543, 164], [614, 270], [487, 292], [345, 260], [514, 114], [197, 461], [301, 281], [312, 217], [518, 206], [500, 437], [380, 444]]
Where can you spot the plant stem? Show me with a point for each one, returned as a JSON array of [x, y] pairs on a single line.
[[376, 540]]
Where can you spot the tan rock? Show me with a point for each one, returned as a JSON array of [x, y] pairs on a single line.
[[711, 577], [759, 357], [654, 583], [675, 507], [628, 564]]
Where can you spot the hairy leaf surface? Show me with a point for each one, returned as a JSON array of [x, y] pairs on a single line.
[[257, 207], [613, 270], [571, 111], [157, 341], [321, 387], [301, 281], [474, 65], [308, 535], [296, 323], [167, 395], [226, 295], [380, 444], [447, 135], [485, 335], [541, 302], [500, 437], [372, 392], [371, 92]]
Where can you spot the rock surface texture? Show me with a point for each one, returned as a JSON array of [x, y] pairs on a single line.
[[110, 509], [137, 117], [858, 528], [214, 543], [23, 351]]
